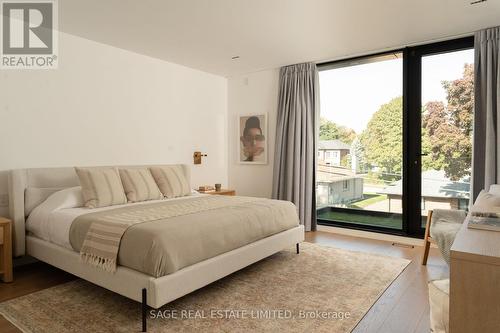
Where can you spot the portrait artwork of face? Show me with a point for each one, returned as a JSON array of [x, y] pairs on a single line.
[[252, 139]]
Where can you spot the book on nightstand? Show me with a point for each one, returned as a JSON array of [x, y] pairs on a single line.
[[205, 188], [484, 221]]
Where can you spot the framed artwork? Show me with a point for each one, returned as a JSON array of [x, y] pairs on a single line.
[[252, 145]]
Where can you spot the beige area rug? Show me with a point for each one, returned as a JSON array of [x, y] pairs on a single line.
[[322, 289]]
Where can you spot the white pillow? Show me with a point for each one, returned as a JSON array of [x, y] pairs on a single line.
[[486, 201], [34, 196], [67, 198], [38, 219], [495, 189]]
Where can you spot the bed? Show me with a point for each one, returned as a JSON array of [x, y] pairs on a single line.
[[153, 285]]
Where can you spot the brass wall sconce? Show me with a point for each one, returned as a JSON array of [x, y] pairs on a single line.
[[197, 157]]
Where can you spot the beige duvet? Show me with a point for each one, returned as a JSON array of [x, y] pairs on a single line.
[[160, 244]]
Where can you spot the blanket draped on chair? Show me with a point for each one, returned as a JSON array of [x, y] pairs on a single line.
[[444, 227]]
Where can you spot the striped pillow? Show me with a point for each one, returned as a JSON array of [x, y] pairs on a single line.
[[101, 187], [139, 185], [171, 180]]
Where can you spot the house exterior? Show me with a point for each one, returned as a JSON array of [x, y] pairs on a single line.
[[438, 192], [331, 152], [337, 185]]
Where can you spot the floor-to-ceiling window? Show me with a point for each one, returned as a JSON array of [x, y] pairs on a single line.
[[361, 122], [395, 137], [446, 127]]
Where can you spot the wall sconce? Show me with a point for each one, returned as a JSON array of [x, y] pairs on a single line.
[[197, 157]]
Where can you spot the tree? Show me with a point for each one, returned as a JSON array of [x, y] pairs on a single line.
[[432, 116], [328, 130], [381, 141], [446, 133], [447, 129], [358, 158]]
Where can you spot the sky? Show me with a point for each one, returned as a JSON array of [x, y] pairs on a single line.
[[350, 95]]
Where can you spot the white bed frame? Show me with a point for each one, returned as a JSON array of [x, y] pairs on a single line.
[[151, 291]]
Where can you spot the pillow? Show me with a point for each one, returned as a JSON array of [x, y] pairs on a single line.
[[68, 198], [485, 201], [494, 189], [171, 180], [139, 185], [101, 187], [38, 220], [34, 196]]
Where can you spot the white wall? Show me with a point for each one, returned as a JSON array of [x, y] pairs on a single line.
[[252, 94], [106, 106]]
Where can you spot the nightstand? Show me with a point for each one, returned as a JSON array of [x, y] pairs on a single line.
[[6, 249], [221, 192]]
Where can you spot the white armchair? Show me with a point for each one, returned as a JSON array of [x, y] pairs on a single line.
[[441, 229], [443, 225]]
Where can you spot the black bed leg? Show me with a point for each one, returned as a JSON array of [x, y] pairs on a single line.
[[144, 309], [298, 249]]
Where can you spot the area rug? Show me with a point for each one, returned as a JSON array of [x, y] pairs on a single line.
[[322, 289]]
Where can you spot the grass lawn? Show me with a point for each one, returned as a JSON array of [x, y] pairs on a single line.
[[394, 221], [369, 199]]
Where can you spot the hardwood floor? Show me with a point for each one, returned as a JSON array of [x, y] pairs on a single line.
[[403, 307]]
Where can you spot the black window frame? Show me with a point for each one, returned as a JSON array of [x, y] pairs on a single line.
[[412, 108]]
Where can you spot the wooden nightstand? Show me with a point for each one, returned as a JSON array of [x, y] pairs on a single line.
[[6, 249], [221, 192]]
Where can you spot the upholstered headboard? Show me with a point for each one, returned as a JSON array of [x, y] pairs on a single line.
[[39, 184]]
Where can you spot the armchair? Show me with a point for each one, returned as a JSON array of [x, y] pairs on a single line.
[[441, 229]]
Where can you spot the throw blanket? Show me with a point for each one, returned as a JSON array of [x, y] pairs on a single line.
[[445, 224], [102, 242], [159, 238]]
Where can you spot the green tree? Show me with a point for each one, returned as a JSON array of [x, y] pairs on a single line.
[[328, 130], [381, 141], [446, 132], [447, 129], [359, 153], [346, 161]]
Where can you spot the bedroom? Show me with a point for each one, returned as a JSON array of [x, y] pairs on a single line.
[[126, 97]]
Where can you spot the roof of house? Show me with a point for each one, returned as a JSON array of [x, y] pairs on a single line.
[[435, 184], [331, 173], [333, 145]]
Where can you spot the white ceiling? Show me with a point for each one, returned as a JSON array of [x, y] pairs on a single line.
[[205, 34]]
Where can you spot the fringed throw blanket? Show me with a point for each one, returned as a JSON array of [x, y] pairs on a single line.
[[178, 233], [100, 247], [102, 242]]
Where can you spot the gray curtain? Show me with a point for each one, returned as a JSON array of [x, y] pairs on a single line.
[[486, 152], [294, 160]]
